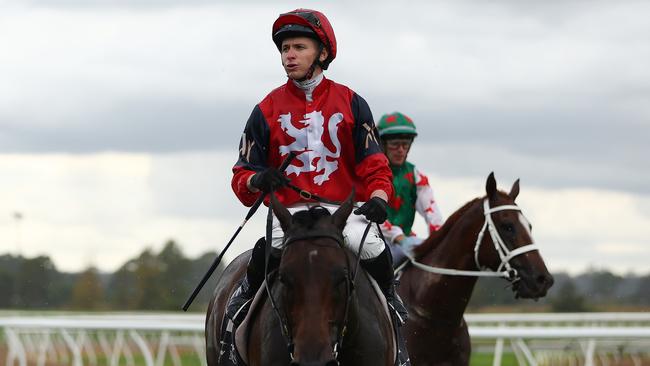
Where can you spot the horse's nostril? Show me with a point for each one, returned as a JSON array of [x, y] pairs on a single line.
[[544, 280], [332, 363], [550, 280]]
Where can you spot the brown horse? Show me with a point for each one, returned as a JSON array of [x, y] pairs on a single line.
[[487, 233], [324, 315]]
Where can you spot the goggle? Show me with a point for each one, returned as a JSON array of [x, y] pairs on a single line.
[[308, 16], [397, 143]]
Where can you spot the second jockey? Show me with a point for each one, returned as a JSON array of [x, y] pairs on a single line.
[[412, 190], [331, 129]]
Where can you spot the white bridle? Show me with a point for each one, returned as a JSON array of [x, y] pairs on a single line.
[[504, 270]]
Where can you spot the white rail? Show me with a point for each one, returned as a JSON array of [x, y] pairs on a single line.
[[571, 338], [534, 338], [73, 339], [558, 318]]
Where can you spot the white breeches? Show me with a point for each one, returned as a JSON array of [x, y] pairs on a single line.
[[352, 233]]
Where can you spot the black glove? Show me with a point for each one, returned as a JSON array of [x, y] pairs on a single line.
[[269, 178], [375, 210]]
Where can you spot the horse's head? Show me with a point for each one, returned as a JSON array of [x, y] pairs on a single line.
[[507, 243], [314, 282]]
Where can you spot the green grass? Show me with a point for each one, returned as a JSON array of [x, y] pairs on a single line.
[[486, 359], [187, 359]]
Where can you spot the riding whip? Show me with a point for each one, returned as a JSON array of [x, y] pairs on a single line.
[[250, 214]]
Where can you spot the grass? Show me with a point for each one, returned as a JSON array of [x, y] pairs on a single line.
[[187, 359], [486, 359]]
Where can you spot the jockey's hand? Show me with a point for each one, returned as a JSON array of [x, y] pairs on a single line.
[[410, 242], [375, 210], [269, 178]]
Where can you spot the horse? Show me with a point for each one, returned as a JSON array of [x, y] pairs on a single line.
[[436, 332], [321, 312]]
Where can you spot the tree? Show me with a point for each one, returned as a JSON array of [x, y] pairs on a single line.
[[88, 292], [35, 279], [174, 276], [642, 294], [7, 283], [121, 290], [568, 299], [604, 286]]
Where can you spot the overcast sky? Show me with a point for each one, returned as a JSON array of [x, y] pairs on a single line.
[[119, 120]]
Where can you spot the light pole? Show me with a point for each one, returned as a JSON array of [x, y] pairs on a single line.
[[17, 218]]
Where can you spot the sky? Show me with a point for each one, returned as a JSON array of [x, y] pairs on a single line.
[[120, 120]]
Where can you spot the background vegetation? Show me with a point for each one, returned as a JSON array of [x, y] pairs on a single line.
[[163, 280]]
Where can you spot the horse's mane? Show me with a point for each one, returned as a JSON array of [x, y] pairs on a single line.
[[436, 237]]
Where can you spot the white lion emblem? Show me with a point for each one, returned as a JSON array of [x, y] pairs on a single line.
[[318, 158]]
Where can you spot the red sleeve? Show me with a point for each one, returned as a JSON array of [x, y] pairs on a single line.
[[375, 174], [238, 183]]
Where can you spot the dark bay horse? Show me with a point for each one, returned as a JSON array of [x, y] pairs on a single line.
[[488, 233], [325, 315]]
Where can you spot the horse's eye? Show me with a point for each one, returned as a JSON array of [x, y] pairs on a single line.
[[340, 281], [285, 280], [510, 228]]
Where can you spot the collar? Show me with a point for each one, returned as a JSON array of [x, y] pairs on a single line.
[[309, 85], [308, 89], [399, 168]]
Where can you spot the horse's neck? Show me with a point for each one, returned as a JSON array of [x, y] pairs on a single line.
[[445, 297], [365, 303], [368, 328]]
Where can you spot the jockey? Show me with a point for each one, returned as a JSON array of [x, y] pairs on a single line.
[[331, 129], [412, 189]]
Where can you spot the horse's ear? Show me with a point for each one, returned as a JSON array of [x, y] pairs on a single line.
[[281, 212], [340, 217], [514, 191], [491, 186]]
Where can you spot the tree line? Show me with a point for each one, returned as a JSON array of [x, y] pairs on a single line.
[[150, 281], [163, 280]]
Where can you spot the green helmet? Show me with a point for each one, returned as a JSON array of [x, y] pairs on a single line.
[[396, 124]]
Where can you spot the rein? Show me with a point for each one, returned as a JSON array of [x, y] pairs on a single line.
[[500, 247], [311, 196]]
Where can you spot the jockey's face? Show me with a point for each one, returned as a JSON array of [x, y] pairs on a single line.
[[297, 56], [397, 150]]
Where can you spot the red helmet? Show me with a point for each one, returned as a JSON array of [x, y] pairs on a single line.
[[306, 23]]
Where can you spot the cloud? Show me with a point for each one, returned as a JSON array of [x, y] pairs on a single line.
[[119, 120], [478, 158], [105, 208], [494, 61], [575, 228], [114, 4]]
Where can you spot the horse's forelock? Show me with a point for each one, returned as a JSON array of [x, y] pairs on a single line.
[[308, 218]]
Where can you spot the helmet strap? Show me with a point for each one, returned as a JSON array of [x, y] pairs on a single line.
[[309, 73], [316, 62]]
